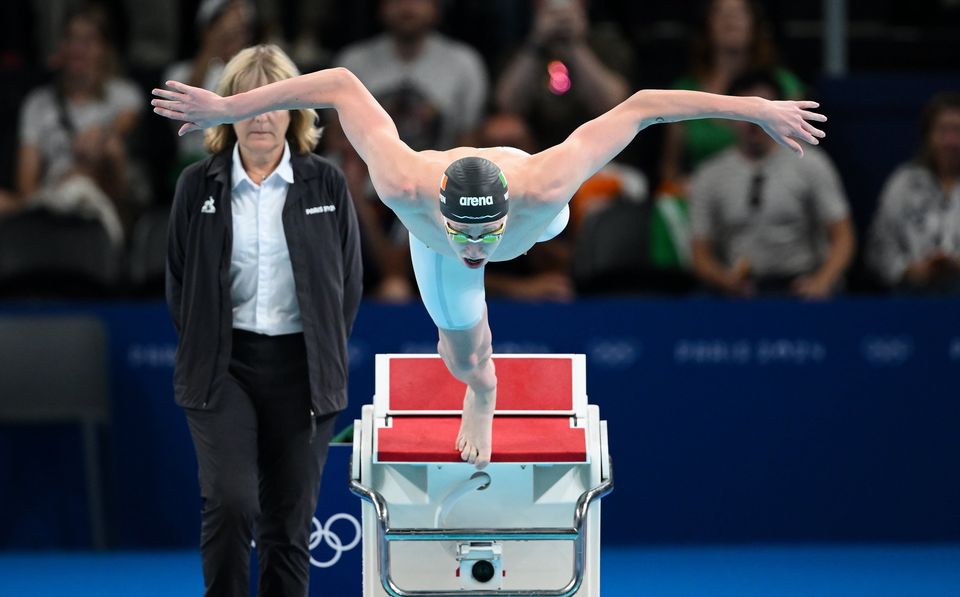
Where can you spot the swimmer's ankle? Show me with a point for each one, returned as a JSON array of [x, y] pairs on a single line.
[[484, 390]]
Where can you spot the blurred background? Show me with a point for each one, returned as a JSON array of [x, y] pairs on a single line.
[[774, 342]]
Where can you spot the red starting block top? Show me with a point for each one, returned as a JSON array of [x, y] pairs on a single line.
[[515, 439], [522, 384]]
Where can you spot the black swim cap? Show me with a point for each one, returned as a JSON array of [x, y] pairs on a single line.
[[473, 191]]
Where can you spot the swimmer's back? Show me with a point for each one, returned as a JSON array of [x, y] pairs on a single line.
[[527, 219]]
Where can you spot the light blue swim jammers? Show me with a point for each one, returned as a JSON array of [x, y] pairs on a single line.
[[452, 292]]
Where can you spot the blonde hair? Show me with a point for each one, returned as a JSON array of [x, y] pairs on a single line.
[[255, 67]]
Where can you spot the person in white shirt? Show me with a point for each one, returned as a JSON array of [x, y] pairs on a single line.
[[72, 155], [263, 285], [915, 238]]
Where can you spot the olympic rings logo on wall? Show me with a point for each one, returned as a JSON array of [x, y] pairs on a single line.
[[323, 533]]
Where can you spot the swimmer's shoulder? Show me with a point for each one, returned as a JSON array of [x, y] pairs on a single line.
[[508, 158], [512, 150], [503, 156], [491, 153], [513, 161]]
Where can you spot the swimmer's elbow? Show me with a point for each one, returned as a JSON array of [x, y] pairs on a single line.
[[648, 107], [396, 192], [338, 82], [335, 87], [560, 170], [345, 76]]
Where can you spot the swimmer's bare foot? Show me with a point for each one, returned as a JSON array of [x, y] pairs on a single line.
[[476, 427]]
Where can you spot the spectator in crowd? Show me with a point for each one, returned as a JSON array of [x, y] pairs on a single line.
[[915, 238], [492, 27], [435, 90], [72, 154], [152, 35], [733, 39], [225, 27], [566, 73], [47, 21], [766, 222], [261, 373], [298, 24]]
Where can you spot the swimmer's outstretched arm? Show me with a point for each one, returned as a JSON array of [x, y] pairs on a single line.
[[366, 124], [556, 173]]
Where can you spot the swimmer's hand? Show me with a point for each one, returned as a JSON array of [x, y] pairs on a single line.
[[198, 108], [787, 123]]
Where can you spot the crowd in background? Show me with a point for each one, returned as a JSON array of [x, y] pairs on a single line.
[[702, 206]]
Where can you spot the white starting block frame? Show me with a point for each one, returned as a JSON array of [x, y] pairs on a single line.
[[429, 525]]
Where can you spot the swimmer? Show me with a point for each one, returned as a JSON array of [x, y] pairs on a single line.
[[467, 206]]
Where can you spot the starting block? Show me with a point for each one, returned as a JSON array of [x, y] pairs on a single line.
[[527, 524]]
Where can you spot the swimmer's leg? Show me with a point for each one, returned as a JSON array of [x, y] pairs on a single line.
[[454, 297], [467, 354]]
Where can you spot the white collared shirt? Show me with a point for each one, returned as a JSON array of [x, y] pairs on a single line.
[[915, 218], [262, 289]]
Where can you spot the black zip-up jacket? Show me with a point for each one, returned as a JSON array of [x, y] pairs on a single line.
[[323, 239]]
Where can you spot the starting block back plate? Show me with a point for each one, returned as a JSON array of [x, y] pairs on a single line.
[[410, 384]]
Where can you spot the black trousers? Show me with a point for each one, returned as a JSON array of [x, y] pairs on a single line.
[[260, 455]]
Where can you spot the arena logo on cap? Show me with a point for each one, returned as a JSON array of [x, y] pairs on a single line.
[[476, 201]]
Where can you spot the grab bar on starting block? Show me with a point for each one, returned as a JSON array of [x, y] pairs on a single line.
[[575, 533]]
